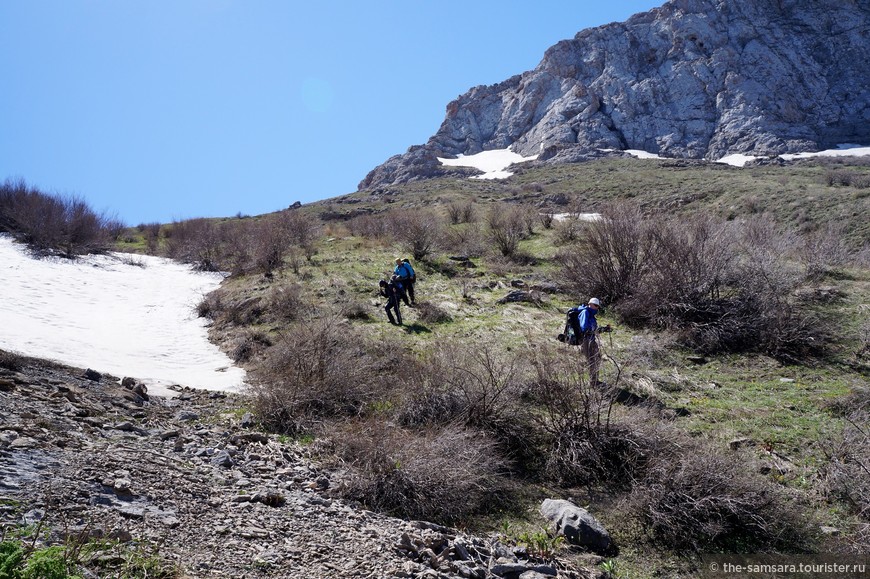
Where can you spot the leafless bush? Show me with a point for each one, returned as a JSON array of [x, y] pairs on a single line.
[[249, 345], [847, 472], [12, 361], [475, 386], [485, 378], [583, 445], [319, 369], [302, 228], [54, 223], [442, 475], [506, 226], [530, 218], [271, 237], [823, 251], [721, 288], [369, 226], [430, 313], [612, 257], [692, 497], [211, 306], [419, 231], [568, 230], [847, 178], [466, 239], [197, 241], [547, 219], [286, 302], [461, 212]]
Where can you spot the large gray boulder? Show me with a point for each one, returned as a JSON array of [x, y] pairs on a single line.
[[577, 525], [693, 79]]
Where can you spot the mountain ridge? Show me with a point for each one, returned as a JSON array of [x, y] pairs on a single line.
[[697, 79]]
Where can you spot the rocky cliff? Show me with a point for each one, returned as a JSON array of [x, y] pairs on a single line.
[[694, 79]]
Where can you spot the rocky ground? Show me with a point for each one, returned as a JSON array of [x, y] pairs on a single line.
[[193, 477]]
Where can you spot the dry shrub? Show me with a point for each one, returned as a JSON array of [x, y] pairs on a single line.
[[847, 472], [286, 302], [319, 369], [54, 222], [847, 178], [506, 227], [692, 497], [476, 383], [443, 475], [467, 239], [568, 229], [151, 233], [249, 345], [211, 306], [461, 212], [582, 445], [720, 286], [354, 310], [12, 361], [419, 231], [197, 241], [477, 386], [547, 219], [611, 259], [824, 251], [369, 226], [430, 313]]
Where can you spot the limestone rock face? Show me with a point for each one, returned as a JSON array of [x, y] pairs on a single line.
[[693, 79]]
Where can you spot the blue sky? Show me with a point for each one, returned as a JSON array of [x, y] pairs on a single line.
[[170, 109]]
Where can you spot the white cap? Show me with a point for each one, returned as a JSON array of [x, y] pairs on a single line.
[[595, 302]]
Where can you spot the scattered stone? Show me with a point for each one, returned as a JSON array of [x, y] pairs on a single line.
[[222, 459], [23, 443], [130, 427], [93, 375], [247, 420], [167, 434], [577, 525]]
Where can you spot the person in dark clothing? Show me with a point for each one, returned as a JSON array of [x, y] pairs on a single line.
[[392, 291]]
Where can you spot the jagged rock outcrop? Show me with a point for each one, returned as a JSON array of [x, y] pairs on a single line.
[[694, 79]]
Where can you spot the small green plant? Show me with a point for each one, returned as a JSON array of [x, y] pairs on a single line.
[[611, 567], [11, 556], [541, 544], [47, 563]]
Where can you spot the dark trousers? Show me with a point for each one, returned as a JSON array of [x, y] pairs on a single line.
[[410, 287], [393, 304]]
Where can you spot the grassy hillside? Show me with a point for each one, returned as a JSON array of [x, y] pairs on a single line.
[[735, 415]]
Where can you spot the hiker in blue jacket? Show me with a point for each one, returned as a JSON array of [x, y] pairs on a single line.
[[405, 274], [586, 331]]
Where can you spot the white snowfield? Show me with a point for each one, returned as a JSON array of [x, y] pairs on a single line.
[[114, 316], [494, 163]]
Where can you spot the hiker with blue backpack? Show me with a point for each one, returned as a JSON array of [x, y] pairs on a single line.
[[582, 329], [406, 276]]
